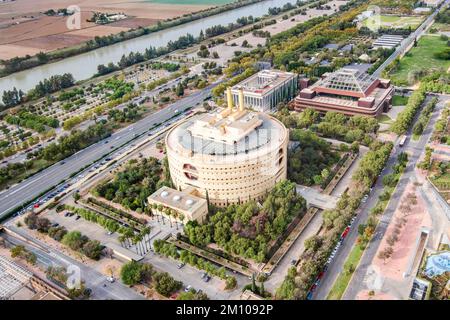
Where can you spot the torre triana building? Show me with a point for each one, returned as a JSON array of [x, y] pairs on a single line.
[[232, 155]]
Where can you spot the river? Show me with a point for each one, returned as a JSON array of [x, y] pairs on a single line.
[[84, 66]]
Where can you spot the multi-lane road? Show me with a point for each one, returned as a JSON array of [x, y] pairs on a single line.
[[93, 279], [414, 149], [35, 185]]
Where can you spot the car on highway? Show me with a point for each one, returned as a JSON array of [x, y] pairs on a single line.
[[61, 163], [345, 233]]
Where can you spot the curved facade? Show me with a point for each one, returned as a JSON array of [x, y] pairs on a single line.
[[233, 159]]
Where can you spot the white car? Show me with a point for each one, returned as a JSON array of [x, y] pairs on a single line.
[[189, 287], [110, 279]]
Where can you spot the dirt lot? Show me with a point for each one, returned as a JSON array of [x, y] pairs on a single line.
[[25, 30]]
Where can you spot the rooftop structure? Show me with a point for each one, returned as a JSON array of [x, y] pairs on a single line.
[[232, 154], [265, 89], [387, 41], [13, 278], [184, 203], [348, 91], [432, 3]]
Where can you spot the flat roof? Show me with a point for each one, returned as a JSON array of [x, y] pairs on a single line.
[[263, 81], [377, 94], [268, 130], [13, 277], [181, 200]]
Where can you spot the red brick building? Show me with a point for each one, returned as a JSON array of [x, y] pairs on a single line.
[[348, 91]]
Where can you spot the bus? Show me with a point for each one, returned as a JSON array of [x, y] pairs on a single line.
[[402, 141]]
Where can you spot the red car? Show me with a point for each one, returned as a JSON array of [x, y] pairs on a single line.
[[36, 205], [344, 234]]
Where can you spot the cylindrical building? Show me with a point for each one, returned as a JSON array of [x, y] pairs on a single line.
[[233, 155]]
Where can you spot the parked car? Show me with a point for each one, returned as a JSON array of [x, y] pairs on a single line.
[[110, 279], [77, 217], [207, 278], [180, 265], [188, 288]]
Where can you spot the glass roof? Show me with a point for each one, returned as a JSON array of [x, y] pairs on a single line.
[[348, 80]]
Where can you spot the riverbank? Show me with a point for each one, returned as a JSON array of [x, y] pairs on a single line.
[[89, 38]]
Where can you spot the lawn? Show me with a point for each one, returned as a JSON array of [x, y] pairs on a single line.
[[399, 101], [421, 58], [396, 22], [384, 119], [193, 2], [342, 281]]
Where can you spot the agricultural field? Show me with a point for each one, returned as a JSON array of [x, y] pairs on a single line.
[[397, 22], [421, 58], [193, 2], [27, 30]]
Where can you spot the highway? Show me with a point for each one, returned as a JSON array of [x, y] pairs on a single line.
[[336, 267], [414, 150], [32, 187], [96, 281], [406, 43]]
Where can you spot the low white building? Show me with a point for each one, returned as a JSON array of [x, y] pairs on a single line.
[[182, 206], [265, 89]]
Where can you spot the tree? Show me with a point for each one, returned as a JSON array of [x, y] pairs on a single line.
[[230, 283], [179, 90], [165, 284], [131, 273], [76, 196], [74, 240], [92, 249]]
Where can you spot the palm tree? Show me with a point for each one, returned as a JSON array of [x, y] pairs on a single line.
[[146, 232]]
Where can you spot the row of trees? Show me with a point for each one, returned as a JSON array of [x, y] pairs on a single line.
[[11, 98], [247, 230], [424, 117], [332, 125], [170, 250], [405, 118], [74, 239], [32, 121], [297, 283]]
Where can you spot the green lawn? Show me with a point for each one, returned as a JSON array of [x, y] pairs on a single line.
[[421, 58], [396, 22], [342, 281], [384, 119], [198, 2], [399, 101]]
